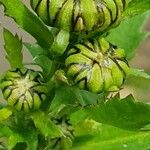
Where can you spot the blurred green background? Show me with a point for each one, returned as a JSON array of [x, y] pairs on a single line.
[[139, 87]]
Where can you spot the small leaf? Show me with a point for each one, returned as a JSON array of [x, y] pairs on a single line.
[[5, 113], [45, 125], [29, 22], [139, 73], [125, 113], [112, 138], [129, 34], [61, 42], [13, 47], [137, 7]]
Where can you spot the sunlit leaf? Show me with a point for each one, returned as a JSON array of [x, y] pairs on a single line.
[[112, 138], [125, 113], [45, 125], [5, 113]]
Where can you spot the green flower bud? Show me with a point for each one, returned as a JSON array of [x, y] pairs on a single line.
[[80, 15], [64, 142], [23, 89], [97, 66]]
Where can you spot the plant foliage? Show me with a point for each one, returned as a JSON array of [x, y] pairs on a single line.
[[70, 116]]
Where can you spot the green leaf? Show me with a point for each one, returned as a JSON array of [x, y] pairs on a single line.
[[45, 63], [5, 131], [61, 42], [35, 49], [139, 73], [45, 125], [5, 113], [29, 22], [67, 95], [92, 98], [137, 7], [13, 47], [112, 138], [40, 58], [129, 34], [86, 127], [24, 136], [125, 113], [29, 138]]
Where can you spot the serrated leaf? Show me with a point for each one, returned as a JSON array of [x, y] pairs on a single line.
[[137, 7], [125, 113], [112, 138], [5, 113], [129, 34], [74, 96], [45, 125], [13, 47], [29, 22], [139, 73]]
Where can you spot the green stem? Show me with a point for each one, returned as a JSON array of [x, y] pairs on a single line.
[[52, 72]]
